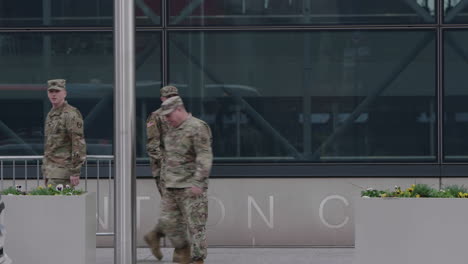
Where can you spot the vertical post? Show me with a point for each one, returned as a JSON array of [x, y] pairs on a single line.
[[47, 40], [307, 73], [124, 138], [440, 86]]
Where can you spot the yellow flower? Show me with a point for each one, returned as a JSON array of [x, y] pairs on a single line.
[[40, 187], [465, 195], [383, 195], [460, 194], [49, 186], [413, 185], [410, 190], [417, 195]]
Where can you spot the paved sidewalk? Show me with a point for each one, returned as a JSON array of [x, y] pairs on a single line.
[[248, 256]]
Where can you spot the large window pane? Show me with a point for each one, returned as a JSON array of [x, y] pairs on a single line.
[[86, 61], [148, 83], [27, 61], [148, 12], [56, 13], [72, 12], [269, 12], [311, 96], [456, 11], [456, 95]]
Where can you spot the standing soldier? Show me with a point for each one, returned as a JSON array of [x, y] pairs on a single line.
[[64, 146], [156, 128], [187, 164]]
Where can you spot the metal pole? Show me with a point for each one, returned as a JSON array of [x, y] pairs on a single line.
[[124, 138], [440, 91]]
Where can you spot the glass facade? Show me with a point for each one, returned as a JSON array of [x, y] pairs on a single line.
[[288, 82], [455, 11], [28, 60], [283, 94], [40, 13], [299, 12], [456, 92], [86, 61]]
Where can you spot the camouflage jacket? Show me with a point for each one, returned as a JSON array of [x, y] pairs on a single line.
[[188, 158], [65, 146], [156, 128]]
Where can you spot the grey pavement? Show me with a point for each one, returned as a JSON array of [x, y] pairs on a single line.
[[221, 255]]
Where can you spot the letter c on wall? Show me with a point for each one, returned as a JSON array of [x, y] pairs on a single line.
[[322, 205]]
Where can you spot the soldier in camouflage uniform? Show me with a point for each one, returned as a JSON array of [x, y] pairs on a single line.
[[187, 163], [156, 128], [65, 146]]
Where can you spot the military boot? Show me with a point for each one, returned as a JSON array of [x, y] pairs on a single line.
[[153, 240], [182, 255]]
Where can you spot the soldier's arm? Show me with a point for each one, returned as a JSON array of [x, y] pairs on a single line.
[[46, 147], [204, 156], [153, 144], [76, 133]]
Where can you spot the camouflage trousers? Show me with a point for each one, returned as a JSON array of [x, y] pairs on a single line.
[[182, 210], [160, 226], [55, 175], [56, 181]]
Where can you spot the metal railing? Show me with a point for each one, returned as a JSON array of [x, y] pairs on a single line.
[[15, 170]]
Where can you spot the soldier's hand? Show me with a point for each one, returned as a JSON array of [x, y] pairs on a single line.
[[196, 190], [75, 180]]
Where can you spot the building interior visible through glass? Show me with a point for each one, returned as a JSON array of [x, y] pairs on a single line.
[[277, 80]]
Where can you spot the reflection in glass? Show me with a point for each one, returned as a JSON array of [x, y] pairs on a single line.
[[311, 96], [148, 12], [148, 83], [455, 95], [72, 13], [86, 61], [270, 12], [28, 61], [56, 13], [455, 11]]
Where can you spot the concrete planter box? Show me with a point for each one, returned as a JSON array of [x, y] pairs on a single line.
[[51, 229], [411, 230]]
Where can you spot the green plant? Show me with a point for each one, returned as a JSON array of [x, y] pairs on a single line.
[[370, 192], [454, 190], [424, 190], [49, 190], [417, 191], [13, 191]]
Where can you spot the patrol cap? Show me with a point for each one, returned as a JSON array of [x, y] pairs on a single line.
[[171, 104], [56, 84], [169, 90]]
